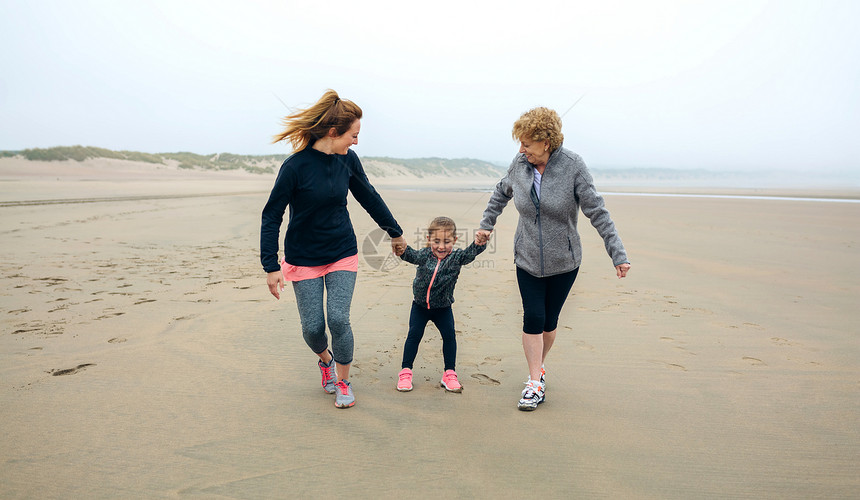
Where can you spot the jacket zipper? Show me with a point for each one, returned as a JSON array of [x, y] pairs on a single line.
[[432, 279], [540, 241], [536, 202]]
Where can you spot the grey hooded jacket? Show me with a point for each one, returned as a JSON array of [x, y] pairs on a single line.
[[546, 241]]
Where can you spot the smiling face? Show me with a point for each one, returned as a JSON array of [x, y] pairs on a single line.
[[340, 144], [537, 152], [441, 242]]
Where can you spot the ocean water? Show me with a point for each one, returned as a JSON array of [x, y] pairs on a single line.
[[738, 197]]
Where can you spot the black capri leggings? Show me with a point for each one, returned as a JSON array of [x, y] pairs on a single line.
[[543, 299]]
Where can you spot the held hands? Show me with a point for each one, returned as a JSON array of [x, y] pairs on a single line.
[[482, 236], [275, 280], [398, 245], [621, 270]]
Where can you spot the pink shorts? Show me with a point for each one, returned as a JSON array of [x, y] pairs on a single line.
[[299, 273]]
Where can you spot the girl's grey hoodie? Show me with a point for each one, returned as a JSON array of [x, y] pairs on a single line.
[[546, 241]]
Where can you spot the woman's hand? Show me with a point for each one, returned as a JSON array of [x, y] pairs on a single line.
[[398, 245], [621, 270], [482, 236], [275, 280]]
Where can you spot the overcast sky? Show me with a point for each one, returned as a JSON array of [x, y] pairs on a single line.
[[712, 84]]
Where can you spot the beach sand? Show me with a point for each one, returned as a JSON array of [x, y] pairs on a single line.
[[141, 355]]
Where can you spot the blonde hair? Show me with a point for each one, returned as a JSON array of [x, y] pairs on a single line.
[[539, 124], [441, 224], [305, 126]]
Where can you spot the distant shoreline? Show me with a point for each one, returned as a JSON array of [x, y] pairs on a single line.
[[741, 197], [93, 162], [66, 180], [716, 192]]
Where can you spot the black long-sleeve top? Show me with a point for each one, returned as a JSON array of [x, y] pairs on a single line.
[[315, 185]]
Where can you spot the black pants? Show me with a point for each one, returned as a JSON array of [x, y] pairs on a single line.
[[543, 299], [443, 318]]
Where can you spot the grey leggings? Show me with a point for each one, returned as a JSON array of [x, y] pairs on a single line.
[[339, 286]]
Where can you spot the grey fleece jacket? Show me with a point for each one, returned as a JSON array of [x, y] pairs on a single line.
[[546, 241]]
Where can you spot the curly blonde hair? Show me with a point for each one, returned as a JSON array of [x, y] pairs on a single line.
[[539, 124], [305, 126]]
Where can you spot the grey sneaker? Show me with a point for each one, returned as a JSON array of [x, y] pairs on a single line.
[[329, 377], [533, 395], [344, 397]]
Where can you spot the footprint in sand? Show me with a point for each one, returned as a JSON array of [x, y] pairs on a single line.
[[373, 362], [39, 327], [754, 361], [782, 342], [109, 315], [70, 371], [52, 281], [673, 366], [24, 330], [180, 318], [584, 345], [485, 380], [678, 347]]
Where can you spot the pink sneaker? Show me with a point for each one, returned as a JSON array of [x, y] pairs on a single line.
[[404, 382], [450, 382]]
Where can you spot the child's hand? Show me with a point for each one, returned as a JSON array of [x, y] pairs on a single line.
[[482, 236], [398, 245]]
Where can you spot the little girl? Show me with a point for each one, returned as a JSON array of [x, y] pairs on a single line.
[[433, 289]]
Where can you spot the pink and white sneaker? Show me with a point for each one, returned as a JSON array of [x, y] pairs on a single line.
[[329, 377], [404, 380], [344, 397], [450, 382]]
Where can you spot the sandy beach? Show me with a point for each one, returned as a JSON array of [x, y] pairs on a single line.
[[141, 355]]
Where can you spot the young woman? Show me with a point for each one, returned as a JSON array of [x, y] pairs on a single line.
[[320, 250]]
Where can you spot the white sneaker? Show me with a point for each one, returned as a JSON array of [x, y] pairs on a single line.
[[533, 395]]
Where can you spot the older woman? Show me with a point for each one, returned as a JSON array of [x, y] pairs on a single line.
[[549, 185]]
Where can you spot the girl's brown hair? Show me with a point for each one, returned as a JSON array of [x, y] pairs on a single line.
[[441, 224], [305, 126]]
